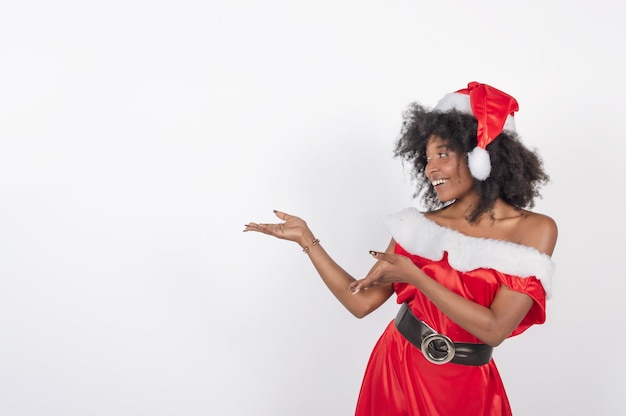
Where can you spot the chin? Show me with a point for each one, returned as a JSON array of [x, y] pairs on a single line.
[[443, 199], [446, 202]]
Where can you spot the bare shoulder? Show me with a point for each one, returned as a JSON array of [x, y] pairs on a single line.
[[539, 231]]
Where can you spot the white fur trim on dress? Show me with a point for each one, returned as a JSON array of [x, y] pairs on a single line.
[[461, 102], [420, 236]]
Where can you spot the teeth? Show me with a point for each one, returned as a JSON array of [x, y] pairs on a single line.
[[438, 182]]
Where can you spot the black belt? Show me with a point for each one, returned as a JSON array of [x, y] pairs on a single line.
[[438, 348]]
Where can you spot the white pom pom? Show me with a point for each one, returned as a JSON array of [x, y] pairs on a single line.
[[479, 163]]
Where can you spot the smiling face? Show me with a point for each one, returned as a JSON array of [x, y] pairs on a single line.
[[447, 170]]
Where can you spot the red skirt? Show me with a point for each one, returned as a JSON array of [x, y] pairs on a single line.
[[399, 381]]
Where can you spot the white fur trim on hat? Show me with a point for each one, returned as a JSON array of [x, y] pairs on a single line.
[[455, 101], [420, 236]]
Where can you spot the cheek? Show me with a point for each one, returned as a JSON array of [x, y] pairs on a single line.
[[460, 169], [465, 174], [467, 183], [464, 167]]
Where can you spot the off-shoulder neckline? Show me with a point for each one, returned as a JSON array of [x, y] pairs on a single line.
[[422, 236]]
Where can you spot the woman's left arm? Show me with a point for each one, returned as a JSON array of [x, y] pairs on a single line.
[[490, 324]]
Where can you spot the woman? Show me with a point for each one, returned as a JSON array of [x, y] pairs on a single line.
[[470, 272]]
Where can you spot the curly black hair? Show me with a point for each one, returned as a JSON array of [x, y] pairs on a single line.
[[517, 172]]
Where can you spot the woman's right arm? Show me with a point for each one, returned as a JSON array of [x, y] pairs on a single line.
[[338, 281], [334, 276]]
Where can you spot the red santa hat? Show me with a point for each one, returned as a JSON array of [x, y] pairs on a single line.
[[494, 111]]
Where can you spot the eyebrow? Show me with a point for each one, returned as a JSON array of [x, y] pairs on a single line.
[[442, 146]]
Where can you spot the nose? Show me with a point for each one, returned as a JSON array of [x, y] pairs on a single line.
[[431, 167]]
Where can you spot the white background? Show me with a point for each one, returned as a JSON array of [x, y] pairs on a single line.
[[138, 137]]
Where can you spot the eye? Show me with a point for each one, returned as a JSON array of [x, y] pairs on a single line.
[[440, 155]]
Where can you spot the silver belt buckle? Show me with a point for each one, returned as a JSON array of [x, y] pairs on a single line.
[[438, 348]]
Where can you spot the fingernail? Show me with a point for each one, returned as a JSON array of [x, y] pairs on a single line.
[[274, 211], [373, 253], [356, 291]]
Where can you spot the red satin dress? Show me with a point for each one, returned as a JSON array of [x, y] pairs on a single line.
[[398, 380]]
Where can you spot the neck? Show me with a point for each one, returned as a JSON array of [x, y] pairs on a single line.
[[462, 208]]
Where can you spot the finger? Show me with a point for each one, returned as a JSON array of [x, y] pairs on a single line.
[[251, 227], [355, 287], [362, 284], [381, 255], [262, 228], [367, 281], [271, 229], [282, 215]]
